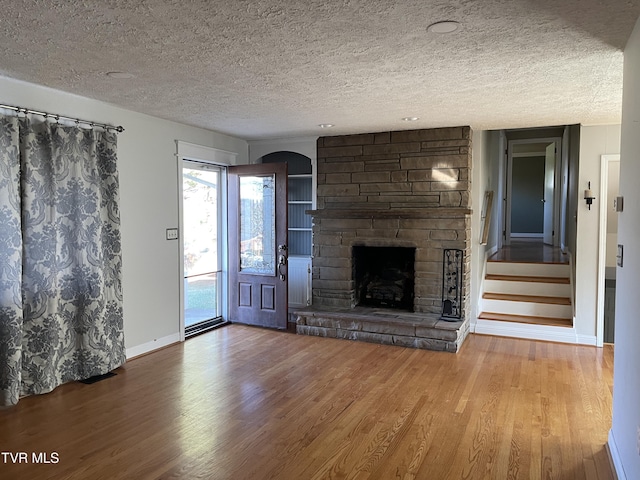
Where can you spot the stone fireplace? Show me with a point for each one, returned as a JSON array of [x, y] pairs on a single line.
[[404, 191]]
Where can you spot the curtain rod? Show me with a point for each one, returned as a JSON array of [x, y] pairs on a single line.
[[24, 110]]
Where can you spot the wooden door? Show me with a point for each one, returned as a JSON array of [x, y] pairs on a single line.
[[258, 244]]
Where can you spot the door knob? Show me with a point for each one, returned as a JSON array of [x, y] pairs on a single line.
[[282, 264]]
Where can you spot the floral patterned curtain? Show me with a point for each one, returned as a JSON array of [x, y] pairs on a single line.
[[60, 256]]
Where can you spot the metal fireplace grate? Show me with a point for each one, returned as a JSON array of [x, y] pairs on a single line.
[[452, 275]]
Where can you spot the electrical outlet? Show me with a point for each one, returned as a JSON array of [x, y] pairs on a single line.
[[172, 233]]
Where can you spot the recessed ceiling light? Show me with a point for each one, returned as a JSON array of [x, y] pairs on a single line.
[[120, 75], [410, 119], [326, 125], [446, 26]]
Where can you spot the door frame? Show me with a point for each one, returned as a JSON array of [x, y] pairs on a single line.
[[605, 160], [507, 182], [549, 214], [215, 157]]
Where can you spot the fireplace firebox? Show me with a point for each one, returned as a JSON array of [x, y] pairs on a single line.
[[384, 276]]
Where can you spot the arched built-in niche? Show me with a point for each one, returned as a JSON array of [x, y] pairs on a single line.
[[301, 198]]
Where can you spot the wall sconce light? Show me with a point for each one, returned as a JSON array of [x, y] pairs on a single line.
[[588, 196]]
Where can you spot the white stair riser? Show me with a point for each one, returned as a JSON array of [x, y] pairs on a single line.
[[528, 288], [527, 308], [534, 332], [529, 269]]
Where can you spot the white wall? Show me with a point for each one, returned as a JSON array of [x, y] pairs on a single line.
[[594, 142], [611, 250], [149, 204], [484, 176], [626, 380]]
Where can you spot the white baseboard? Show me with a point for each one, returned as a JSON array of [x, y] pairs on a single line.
[[152, 345], [612, 447], [527, 235], [586, 339], [531, 332]]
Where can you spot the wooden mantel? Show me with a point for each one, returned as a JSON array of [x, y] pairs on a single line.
[[431, 212]]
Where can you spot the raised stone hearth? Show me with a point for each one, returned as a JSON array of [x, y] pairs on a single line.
[[406, 189], [387, 327]]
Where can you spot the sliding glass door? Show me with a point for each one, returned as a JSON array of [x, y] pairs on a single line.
[[202, 239]]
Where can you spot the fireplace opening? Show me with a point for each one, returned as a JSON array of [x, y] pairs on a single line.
[[384, 276]]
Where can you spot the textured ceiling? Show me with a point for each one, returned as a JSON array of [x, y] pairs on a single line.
[[269, 68]]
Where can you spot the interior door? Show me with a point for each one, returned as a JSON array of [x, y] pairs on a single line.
[[258, 244], [549, 184]]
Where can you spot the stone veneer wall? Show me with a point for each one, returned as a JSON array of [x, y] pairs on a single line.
[[404, 188]]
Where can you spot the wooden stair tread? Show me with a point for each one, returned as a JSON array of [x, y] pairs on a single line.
[[527, 278], [504, 317], [527, 298]]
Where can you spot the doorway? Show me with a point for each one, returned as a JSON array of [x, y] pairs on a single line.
[[608, 248], [527, 210], [202, 247], [532, 200]]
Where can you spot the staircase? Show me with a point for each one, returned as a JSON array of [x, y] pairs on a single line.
[[527, 294]]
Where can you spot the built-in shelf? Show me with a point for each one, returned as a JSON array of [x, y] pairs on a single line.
[[299, 201]]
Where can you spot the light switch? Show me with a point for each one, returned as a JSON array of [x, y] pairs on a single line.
[[619, 255], [172, 233], [618, 204]]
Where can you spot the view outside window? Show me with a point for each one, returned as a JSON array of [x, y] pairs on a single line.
[[201, 256], [257, 225]]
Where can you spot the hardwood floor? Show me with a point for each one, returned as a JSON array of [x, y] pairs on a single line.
[[528, 250], [248, 403]]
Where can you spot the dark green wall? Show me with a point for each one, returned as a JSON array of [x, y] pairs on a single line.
[[527, 191]]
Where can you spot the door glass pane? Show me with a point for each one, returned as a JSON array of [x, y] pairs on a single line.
[[257, 225], [201, 298], [201, 203]]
